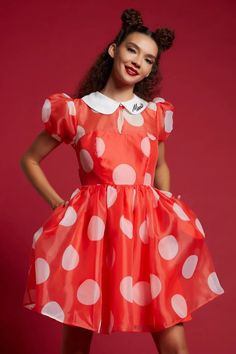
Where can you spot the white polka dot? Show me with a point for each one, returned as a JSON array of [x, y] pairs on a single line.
[[135, 120], [158, 99], [143, 232], [46, 110], [199, 226], [36, 236], [151, 136], [96, 228], [179, 305], [152, 106], [80, 131], [168, 121], [156, 197], [155, 284], [53, 310], [70, 258], [71, 108], [167, 193], [76, 191], [142, 293], [168, 247], [69, 218], [110, 258], [86, 160], [179, 211], [111, 196], [88, 292], [126, 288], [147, 179], [126, 227], [124, 174], [189, 266], [214, 284], [42, 270], [145, 146], [100, 146]]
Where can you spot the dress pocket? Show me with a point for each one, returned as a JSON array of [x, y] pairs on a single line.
[[61, 205]]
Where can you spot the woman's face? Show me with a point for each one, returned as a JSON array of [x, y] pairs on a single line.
[[138, 52]]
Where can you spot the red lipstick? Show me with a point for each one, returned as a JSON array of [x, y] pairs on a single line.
[[131, 71]]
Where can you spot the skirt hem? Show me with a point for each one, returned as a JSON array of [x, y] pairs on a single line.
[[146, 328]]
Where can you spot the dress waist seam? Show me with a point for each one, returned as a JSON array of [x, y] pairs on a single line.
[[116, 185]]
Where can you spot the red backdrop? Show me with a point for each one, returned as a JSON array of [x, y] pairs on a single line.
[[46, 47]]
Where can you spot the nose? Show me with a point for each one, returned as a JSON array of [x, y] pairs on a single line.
[[137, 61], [136, 65]]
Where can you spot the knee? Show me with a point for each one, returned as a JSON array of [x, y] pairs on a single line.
[[171, 340]]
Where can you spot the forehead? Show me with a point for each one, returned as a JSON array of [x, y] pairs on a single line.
[[143, 41]]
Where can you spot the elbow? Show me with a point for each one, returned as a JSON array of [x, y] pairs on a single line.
[[162, 164], [22, 159], [25, 160]]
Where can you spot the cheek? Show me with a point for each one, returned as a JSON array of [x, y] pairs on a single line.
[[124, 56], [117, 64]]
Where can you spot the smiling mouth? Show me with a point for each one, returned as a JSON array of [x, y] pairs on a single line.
[[131, 71]]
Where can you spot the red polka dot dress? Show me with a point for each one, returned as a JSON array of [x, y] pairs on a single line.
[[122, 255]]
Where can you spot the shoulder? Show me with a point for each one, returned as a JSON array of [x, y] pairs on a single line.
[[57, 102], [163, 116], [59, 116], [159, 104]]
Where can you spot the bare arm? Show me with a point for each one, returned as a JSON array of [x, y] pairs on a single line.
[[30, 164], [162, 173]]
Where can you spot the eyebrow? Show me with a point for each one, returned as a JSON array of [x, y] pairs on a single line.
[[135, 45]]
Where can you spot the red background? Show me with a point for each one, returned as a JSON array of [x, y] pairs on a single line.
[[47, 47]]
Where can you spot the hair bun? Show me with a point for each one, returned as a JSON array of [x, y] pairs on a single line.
[[165, 38], [131, 17]]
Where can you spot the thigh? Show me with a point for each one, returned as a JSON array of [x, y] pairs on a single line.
[[171, 340], [75, 339]]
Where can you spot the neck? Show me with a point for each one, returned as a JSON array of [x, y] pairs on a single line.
[[118, 91]]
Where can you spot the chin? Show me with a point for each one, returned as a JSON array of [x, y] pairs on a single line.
[[129, 79], [124, 78]]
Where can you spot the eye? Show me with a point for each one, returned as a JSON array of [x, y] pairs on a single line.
[[131, 50]]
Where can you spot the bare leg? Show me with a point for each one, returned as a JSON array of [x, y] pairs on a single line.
[[75, 340], [171, 340]]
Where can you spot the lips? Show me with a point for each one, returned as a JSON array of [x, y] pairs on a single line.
[[131, 71]]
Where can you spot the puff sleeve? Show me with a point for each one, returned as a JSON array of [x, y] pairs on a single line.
[[59, 117], [164, 118]]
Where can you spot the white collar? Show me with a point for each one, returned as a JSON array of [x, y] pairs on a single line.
[[106, 105]]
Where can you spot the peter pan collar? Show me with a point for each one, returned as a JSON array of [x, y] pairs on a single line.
[[106, 105]]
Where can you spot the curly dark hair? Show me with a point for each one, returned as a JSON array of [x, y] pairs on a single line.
[[97, 76]]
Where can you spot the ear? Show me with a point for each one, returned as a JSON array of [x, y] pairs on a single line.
[[112, 50]]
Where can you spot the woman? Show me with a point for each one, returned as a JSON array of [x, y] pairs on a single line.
[[123, 253]]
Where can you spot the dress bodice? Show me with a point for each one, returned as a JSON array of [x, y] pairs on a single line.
[[117, 147]]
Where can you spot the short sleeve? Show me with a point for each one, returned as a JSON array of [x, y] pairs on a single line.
[[164, 118], [59, 117]]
